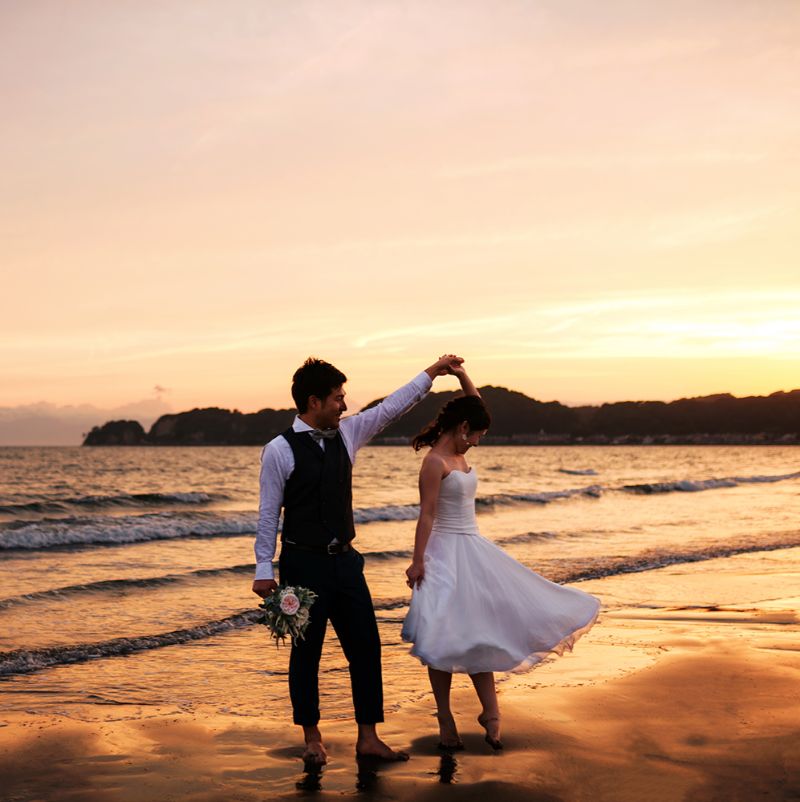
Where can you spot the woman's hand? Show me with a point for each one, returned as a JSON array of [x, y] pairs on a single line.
[[415, 573], [443, 364]]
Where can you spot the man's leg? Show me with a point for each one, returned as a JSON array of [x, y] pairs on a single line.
[[353, 618], [304, 666], [306, 653]]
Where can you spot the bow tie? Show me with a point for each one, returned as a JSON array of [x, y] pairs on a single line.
[[323, 434]]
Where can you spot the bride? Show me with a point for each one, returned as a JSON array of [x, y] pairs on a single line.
[[474, 609]]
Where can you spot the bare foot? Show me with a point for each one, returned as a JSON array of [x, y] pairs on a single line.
[[492, 726], [374, 747], [315, 754], [448, 734]]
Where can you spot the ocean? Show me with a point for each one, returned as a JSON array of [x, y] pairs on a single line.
[[125, 573]]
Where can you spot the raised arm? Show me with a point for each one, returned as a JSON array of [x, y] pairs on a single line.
[[466, 383], [430, 482], [361, 428]]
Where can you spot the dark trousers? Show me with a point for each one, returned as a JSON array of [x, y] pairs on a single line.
[[344, 598]]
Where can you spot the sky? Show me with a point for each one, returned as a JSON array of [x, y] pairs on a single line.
[[588, 201]]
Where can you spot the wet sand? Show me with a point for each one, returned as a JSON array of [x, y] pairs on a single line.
[[687, 689]]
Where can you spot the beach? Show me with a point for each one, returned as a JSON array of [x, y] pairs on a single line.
[[687, 693], [685, 689]]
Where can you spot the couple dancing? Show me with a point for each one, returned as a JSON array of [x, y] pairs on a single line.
[[473, 610]]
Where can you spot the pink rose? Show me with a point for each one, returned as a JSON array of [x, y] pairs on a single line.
[[290, 604]]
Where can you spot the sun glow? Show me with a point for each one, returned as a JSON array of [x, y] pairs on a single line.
[[589, 203]]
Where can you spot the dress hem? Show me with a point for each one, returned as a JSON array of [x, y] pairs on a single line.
[[534, 659]]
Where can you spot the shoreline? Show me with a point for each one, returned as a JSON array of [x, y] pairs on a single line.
[[686, 689], [485, 442]]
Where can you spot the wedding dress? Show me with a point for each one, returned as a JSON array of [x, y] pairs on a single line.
[[478, 609]]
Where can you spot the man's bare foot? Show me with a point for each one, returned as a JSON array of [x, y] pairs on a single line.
[[373, 747], [315, 754]]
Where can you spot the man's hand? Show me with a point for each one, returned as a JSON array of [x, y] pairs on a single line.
[[444, 365], [265, 587]]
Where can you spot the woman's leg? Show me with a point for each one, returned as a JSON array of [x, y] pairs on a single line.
[[489, 718], [440, 685]]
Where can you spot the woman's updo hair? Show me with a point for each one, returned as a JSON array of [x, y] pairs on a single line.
[[469, 408]]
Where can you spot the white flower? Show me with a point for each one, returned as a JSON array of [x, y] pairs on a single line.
[[290, 604]]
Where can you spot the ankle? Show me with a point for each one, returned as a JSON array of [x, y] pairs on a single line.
[[367, 733], [312, 734]]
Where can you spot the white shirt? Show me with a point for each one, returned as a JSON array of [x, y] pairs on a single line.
[[277, 460]]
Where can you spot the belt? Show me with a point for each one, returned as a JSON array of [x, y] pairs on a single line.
[[329, 548]]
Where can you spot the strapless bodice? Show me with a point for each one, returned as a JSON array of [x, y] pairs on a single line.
[[455, 509]]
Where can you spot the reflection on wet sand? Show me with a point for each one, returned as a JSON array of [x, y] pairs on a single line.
[[688, 685]]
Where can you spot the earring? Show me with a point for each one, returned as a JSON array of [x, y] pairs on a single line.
[[463, 436]]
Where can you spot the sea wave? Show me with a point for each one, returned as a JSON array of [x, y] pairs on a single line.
[[391, 512], [54, 505], [126, 529], [121, 585], [100, 530], [107, 531], [25, 661], [28, 661], [581, 570], [526, 537], [543, 497], [578, 472], [143, 583], [572, 570], [697, 485]]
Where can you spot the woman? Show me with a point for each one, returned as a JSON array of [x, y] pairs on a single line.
[[474, 609]]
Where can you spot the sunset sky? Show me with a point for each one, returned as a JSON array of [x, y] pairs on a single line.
[[589, 201]]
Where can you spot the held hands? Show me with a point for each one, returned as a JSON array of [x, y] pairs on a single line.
[[444, 365], [415, 573], [264, 587]]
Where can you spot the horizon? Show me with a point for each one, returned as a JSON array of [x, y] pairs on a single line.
[[587, 203], [456, 389], [65, 426]]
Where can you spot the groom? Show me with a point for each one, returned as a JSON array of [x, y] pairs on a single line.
[[307, 471]]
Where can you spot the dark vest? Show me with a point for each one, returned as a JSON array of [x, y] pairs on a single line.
[[318, 497]]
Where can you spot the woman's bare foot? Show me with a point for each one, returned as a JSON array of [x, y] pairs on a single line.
[[492, 726], [448, 733]]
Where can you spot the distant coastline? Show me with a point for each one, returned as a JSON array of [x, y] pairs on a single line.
[[517, 419]]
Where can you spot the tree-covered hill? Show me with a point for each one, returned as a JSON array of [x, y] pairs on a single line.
[[516, 418]]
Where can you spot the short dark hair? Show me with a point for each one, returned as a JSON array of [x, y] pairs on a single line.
[[315, 377]]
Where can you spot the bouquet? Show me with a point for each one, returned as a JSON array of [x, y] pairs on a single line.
[[286, 612]]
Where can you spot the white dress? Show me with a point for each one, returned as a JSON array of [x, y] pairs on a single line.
[[477, 608]]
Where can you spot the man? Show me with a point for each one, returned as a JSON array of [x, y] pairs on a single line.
[[307, 470]]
